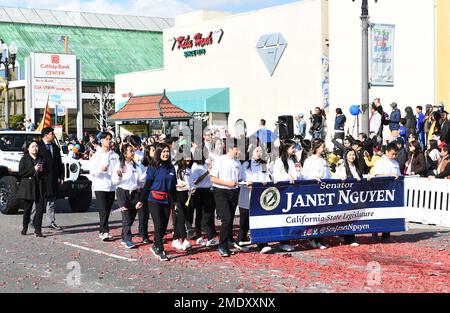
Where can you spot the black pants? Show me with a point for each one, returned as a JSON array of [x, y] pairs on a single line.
[[191, 209], [179, 216], [226, 203], [37, 218], [105, 200], [244, 224], [160, 215], [128, 200], [202, 201], [349, 239]]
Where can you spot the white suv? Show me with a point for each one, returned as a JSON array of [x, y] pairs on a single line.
[[12, 145]]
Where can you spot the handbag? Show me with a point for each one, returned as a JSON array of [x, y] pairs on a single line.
[[159, 195]]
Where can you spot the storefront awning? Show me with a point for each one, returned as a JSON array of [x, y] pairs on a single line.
[[152, 107], [215, 100]]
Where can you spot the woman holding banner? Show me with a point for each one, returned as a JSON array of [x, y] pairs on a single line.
[[254, 170], [316, 168], [349, 170], [287, 169]]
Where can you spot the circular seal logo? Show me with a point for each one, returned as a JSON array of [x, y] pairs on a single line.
[[270, 199]]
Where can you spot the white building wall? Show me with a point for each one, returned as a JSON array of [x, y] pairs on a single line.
[[295, 87], [414, 53]]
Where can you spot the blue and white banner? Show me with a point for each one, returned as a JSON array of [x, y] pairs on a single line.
[[310, 209], [382, 55]]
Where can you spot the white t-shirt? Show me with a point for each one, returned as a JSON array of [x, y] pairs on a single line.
[[102, 181], [226, 169], [254, 174], [341, 172], [185, 180], [280, 174], [197, 171], [315, 168], [386, 167], [131, 177]]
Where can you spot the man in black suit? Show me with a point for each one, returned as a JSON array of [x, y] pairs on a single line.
[[49, 151]]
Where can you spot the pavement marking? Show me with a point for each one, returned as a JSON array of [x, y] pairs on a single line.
[[99, 252]]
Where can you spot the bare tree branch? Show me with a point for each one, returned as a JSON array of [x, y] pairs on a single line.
[[108, 107]]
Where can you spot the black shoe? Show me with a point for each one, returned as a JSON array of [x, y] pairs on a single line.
[[224, 252], [54, 226], [146, 241], [39, 234], [23, 232]]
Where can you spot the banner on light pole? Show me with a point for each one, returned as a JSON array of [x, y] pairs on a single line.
[[382, 55]]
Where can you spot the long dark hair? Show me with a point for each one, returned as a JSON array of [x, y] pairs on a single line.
[[284, 154], [315, 145], [123, 153], [183, 164], [417, 147], [261, 161], [157, 162], [348, 172], [147, 160]]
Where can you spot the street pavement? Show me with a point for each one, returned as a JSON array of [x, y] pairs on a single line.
[[75, 260]]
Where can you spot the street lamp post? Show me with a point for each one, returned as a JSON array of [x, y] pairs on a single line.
[[7, 58], [365, 84]]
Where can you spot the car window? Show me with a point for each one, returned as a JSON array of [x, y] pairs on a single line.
[[16, 142]]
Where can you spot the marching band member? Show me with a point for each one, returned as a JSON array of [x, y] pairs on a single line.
[[102, 164], [349, 169], [160, 192], [183, 171], [225, 176], [316, 168], [287, 169], [254, 170], [127, 175]]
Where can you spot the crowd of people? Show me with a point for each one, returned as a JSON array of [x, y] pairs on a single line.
[[196, 182]]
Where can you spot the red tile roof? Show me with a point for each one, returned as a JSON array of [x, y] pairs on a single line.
[[153, 107]]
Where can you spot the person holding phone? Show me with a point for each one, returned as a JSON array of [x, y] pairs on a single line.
[[32, 169]]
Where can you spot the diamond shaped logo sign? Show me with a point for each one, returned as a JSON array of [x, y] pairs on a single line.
[[270, 48]]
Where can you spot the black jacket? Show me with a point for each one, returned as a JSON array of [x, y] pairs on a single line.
[[445, 132], [31, 183], [55, 168]]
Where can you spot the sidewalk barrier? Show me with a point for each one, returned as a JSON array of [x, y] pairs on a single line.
[[427, 201]]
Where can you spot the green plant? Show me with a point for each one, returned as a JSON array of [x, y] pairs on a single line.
[[16, 121]]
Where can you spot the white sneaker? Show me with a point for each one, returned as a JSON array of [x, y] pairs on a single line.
[[177, 244], [312, 243], [355, 244], [241, 248], [100, 235], [186, 245], [200, 241], [106, 237], [212, 243], [266, 250], [287, 248], [321, 246]]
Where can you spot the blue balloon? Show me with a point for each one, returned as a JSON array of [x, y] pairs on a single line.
[[355, 110], [78, 146]]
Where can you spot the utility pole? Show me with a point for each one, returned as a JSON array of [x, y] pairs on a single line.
[[66, 51], [365, 84], [102, 123]]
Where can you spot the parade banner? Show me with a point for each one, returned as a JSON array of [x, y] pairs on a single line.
[[311, 209], [382, 55]]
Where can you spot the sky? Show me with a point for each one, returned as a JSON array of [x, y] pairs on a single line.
[[161, 8]]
